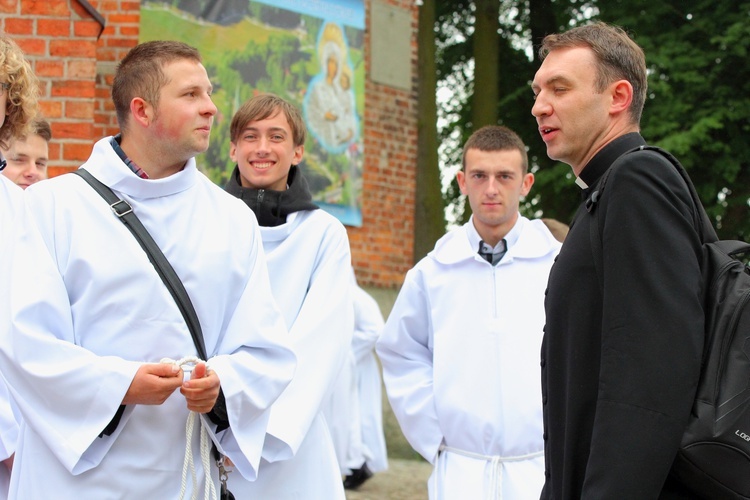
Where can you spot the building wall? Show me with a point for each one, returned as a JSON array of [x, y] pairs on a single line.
[[75, 60]]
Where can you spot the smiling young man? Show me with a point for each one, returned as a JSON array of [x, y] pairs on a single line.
[[624, 336], [460, 349], [310, 267], [27, 156], [92, 320]]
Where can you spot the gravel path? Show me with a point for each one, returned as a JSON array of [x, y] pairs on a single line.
[[404, 480]]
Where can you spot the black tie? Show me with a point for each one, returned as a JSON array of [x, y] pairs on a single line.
[[492, 258]]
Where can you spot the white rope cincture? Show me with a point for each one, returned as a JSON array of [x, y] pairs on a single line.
[[495, 489], [209, 492]]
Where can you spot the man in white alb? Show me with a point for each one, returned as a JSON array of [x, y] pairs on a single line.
[[460, 349], [309, 265], [103, 417]]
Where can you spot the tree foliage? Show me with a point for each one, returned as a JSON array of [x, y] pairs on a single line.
[[428, 220], [696, 51], [699, 95]]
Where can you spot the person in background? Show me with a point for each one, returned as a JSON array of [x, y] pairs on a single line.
[[18, 105], [624, 336], [355, 410], [27, 156], [558, 229], [460, 349], [309, 264]]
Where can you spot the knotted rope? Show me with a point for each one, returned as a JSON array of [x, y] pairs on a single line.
[[494, 490], [187, 364]]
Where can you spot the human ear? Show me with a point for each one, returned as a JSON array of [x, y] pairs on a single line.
[[461, 178], [622, 96], [233, 151], [141, 111], [528, 181], [299, 151]]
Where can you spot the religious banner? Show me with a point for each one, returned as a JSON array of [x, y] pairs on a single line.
[[309, 52]]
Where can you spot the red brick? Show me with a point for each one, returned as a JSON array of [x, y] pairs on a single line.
[[72, 88], [109, 30], [77, 151], [72, 48], [49, 68], [46, 7], [14, 26], [53, 27], [134, 6], [122, 42], [103, 93], [55, 149], [82, 69], [103, 54], [9, 6], [133, 31], [132, 18], [79, 109], [54, 171], [87, 29], [72, 130], [32, 46], [51, 109], [113, 6]]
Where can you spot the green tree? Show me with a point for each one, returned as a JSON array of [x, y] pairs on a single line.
[[485, 40], [699, 95], [429, 223], [458, 42], [696, 51]]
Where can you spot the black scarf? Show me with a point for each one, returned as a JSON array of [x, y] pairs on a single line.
[[271, 207]]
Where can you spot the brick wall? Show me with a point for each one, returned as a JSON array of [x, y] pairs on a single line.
[[59, 38], [382, 249], [119, 36], [75, 61]]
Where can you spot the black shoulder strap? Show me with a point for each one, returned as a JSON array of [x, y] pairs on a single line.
[[702, 222], [700, 219], [594, 234], [124, 212]]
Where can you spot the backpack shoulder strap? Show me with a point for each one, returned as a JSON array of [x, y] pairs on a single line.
[[594, 233], [700, 219]]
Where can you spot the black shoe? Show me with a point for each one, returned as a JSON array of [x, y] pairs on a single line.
[[357, 477]]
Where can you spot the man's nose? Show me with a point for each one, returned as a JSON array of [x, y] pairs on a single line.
[[541, 106]]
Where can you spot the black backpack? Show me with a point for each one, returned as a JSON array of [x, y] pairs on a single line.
[[714, 457]]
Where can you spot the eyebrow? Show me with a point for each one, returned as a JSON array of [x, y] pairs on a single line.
[[552, 80], [196, 86], [256, 129], [479, 170]]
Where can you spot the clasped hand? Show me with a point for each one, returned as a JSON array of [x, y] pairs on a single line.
[[155, 382]]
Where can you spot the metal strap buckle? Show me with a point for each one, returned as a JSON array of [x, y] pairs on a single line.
[[121, 208]]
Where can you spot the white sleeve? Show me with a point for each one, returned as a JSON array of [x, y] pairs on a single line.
[[406, 353], [321, 335], [258, 367], [50, 378], [368, 323]]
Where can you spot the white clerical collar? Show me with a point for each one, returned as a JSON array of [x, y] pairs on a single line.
[[581, 183], [510, 239]]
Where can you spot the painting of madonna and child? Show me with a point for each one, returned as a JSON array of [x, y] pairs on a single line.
[[308, 53]]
